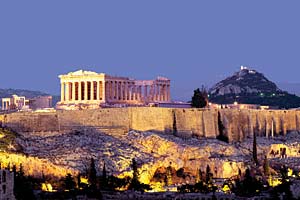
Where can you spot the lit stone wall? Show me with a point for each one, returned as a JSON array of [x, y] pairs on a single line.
[[238, 124]]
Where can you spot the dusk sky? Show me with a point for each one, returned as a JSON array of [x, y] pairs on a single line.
[[193, 43]]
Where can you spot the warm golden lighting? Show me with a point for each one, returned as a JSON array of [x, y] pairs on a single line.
[[226, 189], [290, 172], [47, 187], [273, 182], [84, 180]]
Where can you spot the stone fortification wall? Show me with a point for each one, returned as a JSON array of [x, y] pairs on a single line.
[[238, 124]]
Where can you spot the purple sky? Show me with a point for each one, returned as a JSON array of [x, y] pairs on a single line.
[[192, 42]]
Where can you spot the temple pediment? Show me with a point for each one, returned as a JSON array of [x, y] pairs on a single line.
[[82, 72]]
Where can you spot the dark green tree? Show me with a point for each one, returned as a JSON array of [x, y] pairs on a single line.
[[135, 177], [23, 188], [208, 176], [92, 176], [168, 179], [249, 186], [69, 183], [254, 149], [135, 183], [104, 177], [200, 98], [174, 123], [266, 166]]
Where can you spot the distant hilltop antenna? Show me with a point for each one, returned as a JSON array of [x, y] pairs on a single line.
[[243, 67]]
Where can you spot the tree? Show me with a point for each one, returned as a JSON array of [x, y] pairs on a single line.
[[209, 175], [200, 98], [69, 182], [254, 149], [135, 177], [104, 177], [174, 123], [22, 185], [92, 176], [135, 183], [168, 179], [266, 166], [221, 129]]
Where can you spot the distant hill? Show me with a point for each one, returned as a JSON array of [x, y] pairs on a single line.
[[251, 87], [27, 93]]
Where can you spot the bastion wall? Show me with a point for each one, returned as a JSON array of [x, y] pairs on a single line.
[[237, 124]]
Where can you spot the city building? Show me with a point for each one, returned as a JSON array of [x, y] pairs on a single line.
[[86, 89], [6, 185]]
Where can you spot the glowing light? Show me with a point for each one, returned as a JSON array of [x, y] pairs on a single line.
[[226, 189], [84, 180], [290, 172], [235, 103], [47, 187], [274, 182], [157, 187]]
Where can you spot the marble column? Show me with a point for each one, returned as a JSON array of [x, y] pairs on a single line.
[[169, 93], [139, 93], [133, 92], [103, 91], [85, 90], [126, 91], [62, 91], [145, 92], [130, 91], [111, 90], [92, 96], [151, 92], [67, 91], [106, 88], [73, 91], [98, 90], [163, 92], [79, 91], [121, 90]]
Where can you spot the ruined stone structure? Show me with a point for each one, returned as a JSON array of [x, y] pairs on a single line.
[[40, 102], [6, 184], [21, 103], [14, 102], [92, 90], [238, 124]]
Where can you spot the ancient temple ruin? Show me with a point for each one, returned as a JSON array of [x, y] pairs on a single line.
[[86, 89]]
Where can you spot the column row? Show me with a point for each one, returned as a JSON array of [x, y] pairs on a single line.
[[5, 105], [122, 91], [128, 91], [82, 91]]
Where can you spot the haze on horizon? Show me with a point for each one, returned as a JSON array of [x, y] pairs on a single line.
[[193, 42]]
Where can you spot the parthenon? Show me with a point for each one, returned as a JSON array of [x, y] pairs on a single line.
[[93, 89]]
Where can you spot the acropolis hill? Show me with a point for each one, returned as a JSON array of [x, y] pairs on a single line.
[[153, 136], [84, 126]]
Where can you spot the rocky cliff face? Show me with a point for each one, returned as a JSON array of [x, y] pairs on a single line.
[[153, 152]]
